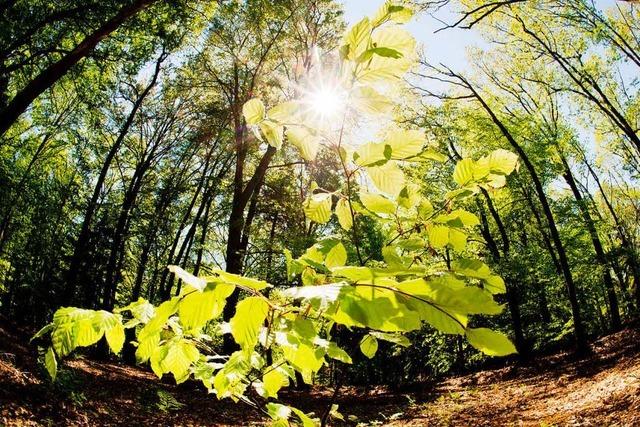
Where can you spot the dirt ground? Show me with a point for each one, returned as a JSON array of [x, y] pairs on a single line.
[[556, 390]]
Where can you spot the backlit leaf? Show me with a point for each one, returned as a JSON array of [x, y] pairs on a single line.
[[245, 324], [369, 346], [343, 212], [253, 111], [317, 207], [490, 342]]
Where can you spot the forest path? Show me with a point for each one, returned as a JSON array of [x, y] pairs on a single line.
[[556, 390]]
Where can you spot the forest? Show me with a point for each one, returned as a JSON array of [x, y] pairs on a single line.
[[291, 212]]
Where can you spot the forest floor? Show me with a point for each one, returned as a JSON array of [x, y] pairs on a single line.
[[554, 390]]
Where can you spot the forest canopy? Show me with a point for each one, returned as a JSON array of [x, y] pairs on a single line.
[[257, 194]]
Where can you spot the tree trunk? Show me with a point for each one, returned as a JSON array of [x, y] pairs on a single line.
[[579, 331], [235, 250], [57, 70], [629, 249], [597, 246], [88, 297]]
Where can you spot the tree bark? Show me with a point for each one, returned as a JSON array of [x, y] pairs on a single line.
[[88, 298], [57, 70], [579, 331], [597, 246]]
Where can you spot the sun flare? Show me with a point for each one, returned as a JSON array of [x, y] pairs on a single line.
[[327, 102]]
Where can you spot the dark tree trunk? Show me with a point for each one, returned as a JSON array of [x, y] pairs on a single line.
[[614, 310], [629, 249], [579, 331], [57, 70], [88, 297], [235, 250]]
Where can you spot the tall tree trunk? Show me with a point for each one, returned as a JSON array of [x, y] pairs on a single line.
[[629, 249], [57, 70], [166, 283], [614, 310], [203, 237], [235, 251], [88, 297], [112, 275], [511, 293], [579, 331]]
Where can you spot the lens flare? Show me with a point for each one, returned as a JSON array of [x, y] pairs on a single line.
[[326, 102]]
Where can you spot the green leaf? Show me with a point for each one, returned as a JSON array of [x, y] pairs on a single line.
[[45, 330], [385, 52], [272, 132], [335, 352], [272, 381], [387, 178], [463, 173], [490, 342], [249, 317], [380, 68], [371, 154], [141, 310], [180, 354], [471, 268], [285, 112], [64, 337], [304, 358], [304, 418], [115, 337], [398, 339], [458, 218], [343, 212], [358, 39], [405, 144], [337, 256], [278, 411], [369, 346], [495, 285], [502, 162], [438, 236], [253, 111], [196, 309], [317, 207], [457, 240], [377, 203], [367, 99], [235, 279], [51, 363], [306, 143], [392, 11], [86, 334]]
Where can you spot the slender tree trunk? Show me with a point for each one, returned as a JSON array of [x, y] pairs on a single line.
[[235, 249], [112, 275], [165, 287], [57, 70], [579, 331], [88, 297], [601, 257], [203, 237], [629, 249]]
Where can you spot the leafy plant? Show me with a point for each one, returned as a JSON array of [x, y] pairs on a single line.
[[383, 299]]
